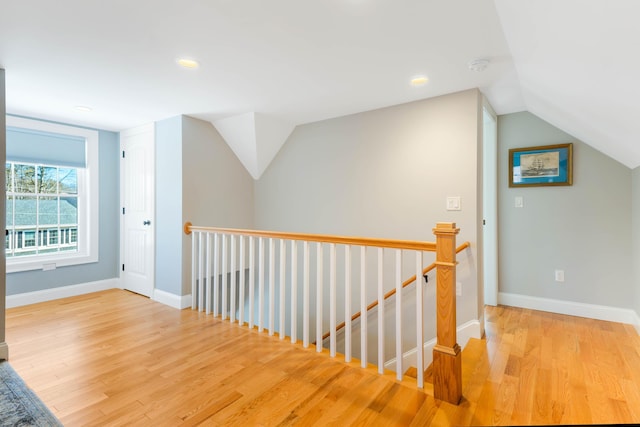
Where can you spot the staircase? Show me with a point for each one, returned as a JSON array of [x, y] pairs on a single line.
[[299, 284]]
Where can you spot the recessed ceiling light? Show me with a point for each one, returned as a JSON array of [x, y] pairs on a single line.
[[83, 109], [419, 80], [188, 63], [479, 64]]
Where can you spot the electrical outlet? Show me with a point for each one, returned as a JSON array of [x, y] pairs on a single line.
[[458, 289], [559, 275]]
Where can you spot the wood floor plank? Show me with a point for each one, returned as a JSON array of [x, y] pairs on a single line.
[[116, 358]]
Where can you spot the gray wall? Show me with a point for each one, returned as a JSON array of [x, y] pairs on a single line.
[[197, 168], [582, 229], [3, 143], [216, 188], [168, 134], [383, 173], [636, 237], [107, 265]]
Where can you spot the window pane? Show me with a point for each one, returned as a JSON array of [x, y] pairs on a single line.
[[25, 178], [68, 210], [9, 177], [53, 237], [9, 218], [25, 213], [34, 220], [68, 181], [47, 179], [29, 239], [47, 210]]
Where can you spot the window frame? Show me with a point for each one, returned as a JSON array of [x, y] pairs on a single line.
[[88, 197]]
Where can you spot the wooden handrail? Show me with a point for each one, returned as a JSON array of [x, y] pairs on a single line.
[[321, 238], [392, 292]]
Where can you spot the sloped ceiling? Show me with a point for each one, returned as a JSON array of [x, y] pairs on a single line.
[[570, 62], [578, 63]]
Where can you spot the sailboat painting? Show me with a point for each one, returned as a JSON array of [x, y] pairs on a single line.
[[541, 166]]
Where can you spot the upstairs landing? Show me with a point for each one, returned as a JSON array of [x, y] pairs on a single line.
[[120, 359]]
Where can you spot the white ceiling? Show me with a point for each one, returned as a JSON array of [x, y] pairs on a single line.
[[571, 62]]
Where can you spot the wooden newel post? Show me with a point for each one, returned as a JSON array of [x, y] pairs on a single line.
[[447, 360]]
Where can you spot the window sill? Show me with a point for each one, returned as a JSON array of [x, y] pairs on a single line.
[[46, 263]]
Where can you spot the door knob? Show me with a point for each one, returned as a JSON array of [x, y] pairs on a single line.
[[147, 222]]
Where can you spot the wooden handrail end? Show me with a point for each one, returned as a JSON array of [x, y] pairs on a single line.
[[187, 228]]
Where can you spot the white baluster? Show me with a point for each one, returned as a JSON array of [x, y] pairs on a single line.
[[294, 291], [380, 311], [208, 292], [232, 310], [225, 257], [419, 321], [200, 272], [216, 274], [305, 295], [260, 284], [242, 282], [272, 285], [319, 297], [399, 370], [363, 307], [194, 293], [347, 304], [252, 279], [332, 300], [283, 257]]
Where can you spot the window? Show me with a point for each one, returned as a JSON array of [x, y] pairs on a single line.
[[41, 199], [51, 195]]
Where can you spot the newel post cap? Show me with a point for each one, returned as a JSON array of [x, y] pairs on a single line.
[[446, 228]]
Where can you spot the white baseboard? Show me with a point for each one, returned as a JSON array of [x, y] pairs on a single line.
[[172, 300], [591, 311], [4, 351], [27, 298], [471, 329]]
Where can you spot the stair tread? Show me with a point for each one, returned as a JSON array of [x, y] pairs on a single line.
[[412, 372]]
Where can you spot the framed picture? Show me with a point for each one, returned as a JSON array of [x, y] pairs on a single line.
[[541, 166]]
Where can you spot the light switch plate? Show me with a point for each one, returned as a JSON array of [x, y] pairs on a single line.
[[518, 202], [453, 203]]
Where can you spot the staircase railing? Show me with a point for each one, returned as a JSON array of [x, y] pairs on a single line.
[[221, 258], [392, 292]]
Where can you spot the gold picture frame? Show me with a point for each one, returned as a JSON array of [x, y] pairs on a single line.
[[546, 165]]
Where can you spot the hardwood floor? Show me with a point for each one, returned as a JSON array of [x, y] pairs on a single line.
[[116, 358]]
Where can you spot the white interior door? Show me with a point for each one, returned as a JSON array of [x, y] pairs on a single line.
[[490, 207], [137, 194]]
